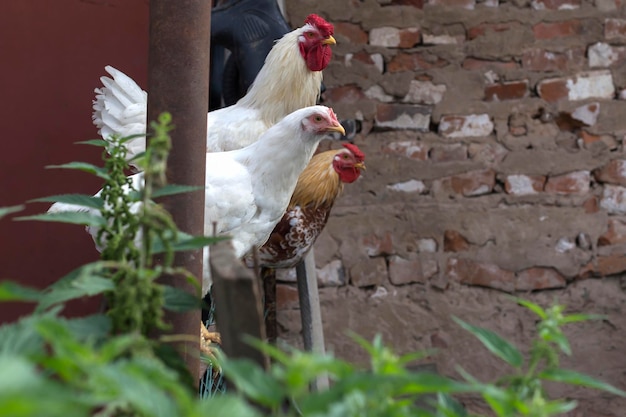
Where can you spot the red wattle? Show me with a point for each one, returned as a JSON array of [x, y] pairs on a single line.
[[349, 174], [318, 57]]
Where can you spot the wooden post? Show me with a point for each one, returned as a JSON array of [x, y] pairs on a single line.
[[238, 309], [310, 311], [178, 73]]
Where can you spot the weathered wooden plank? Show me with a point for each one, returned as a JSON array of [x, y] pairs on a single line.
[[237, 298]]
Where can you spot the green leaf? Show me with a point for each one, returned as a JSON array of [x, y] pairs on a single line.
[[172, 189], [577, 378], [94, 142], [11, 291], [449, 406], [559, 407], [573, 318], [20, 338], [496, 344], [76, 199], [70, 217], [227, 406], [251, 380], [84, 166], [535, 308], [11, 209], [97, 326], [188, 242], [83, 281], [179, 301], [427, 382]]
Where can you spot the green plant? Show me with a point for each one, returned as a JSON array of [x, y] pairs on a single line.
[[387, 388], [106, 365], [521, 392]]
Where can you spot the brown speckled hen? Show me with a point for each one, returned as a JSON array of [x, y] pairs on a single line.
[[317, 188]]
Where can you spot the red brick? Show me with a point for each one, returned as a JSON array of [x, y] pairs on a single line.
[[471, 125], [405, 271], [443, 39], [454, 241], [376, 245], [614, 172], [392, 37], [584, 85], [363, 57], [589, 138], [553, 90], [403, 116], [413, 62], [611, 265], [465, 4], [591, 205], [615, 29], [345, 94], [557, 29], [555, 4], [542, 60], [512, 90], [576, 182], [485, 28], [409, 149], [353, 33], [447, 153], [369, 272], [524, 184], [473, 183], [469, 272], [484, 64], [287, 297], [615, 234], [409, 37], [539, 279]]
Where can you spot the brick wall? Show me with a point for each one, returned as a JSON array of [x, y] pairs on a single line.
[[494, 140]]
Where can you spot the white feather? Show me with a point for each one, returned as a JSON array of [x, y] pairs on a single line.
[[248, 190], [284, 84]]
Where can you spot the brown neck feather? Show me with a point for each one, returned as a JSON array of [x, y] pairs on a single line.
[[319, 183]]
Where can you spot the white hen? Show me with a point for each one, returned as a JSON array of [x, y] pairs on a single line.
[[248, 190], [289, 80]]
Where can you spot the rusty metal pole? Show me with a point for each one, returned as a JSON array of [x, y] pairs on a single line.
[[178, 82]]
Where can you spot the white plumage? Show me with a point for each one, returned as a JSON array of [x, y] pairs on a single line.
[[248, 190], [284, 84]]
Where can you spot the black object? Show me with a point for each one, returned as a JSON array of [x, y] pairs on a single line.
[[248, 29]]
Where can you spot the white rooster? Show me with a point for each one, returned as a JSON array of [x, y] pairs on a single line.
[[248, 190], [289, 80]]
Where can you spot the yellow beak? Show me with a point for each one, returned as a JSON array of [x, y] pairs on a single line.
[[329, 41], [337, 128], [360, 165]]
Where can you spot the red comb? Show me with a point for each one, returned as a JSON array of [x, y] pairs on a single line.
[[325, 28], [358, 154]]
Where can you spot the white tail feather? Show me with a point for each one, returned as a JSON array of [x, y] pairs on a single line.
[[120, 109]]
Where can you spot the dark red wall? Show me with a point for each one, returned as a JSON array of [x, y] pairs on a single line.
[[52, 54]]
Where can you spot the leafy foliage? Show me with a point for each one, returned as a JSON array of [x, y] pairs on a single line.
[[106, 365]]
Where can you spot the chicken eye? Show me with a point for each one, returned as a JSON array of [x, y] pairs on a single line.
[[318, 118], [345, 156], [310, 34]]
